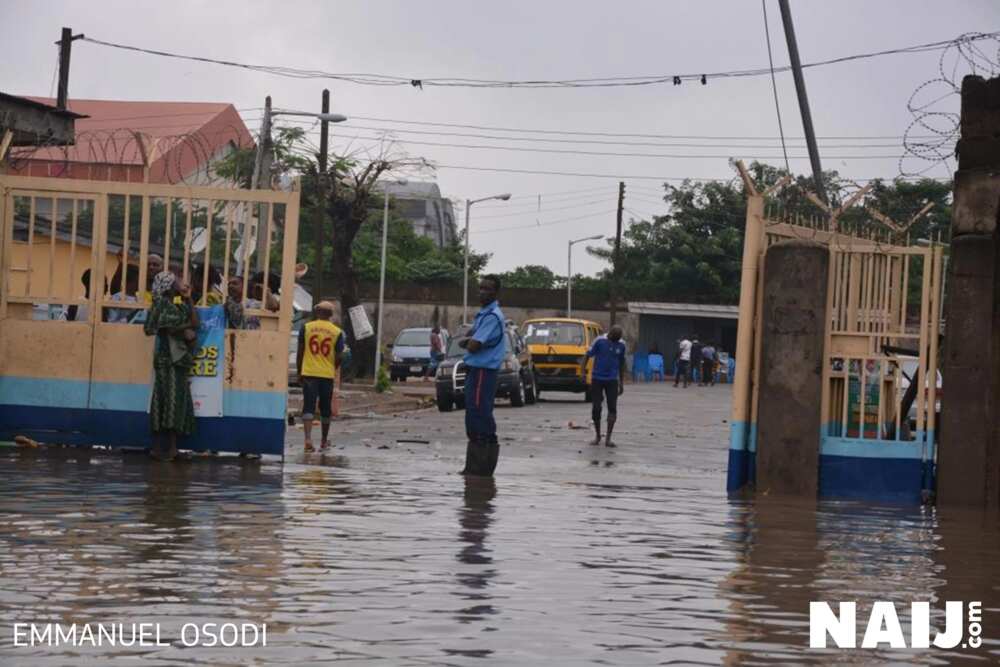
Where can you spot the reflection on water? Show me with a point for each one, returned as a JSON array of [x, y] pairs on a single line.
[[348, 563]]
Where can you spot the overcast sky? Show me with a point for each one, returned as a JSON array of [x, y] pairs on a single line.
[[523, 40]]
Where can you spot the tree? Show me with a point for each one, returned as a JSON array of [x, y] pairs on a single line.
[[694, 252], [350, 195], [531, 275]]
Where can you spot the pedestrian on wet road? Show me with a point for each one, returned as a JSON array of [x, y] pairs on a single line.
[[683, 361], [484, 354], [607, 380], [708, 359], [174, 323], [321, 344]]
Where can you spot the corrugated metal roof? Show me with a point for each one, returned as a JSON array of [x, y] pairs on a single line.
[[718, 311]]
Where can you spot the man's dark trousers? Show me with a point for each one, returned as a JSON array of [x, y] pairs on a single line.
[[483, 449]]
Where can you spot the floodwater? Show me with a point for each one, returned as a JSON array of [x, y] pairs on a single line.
[[360, 565]]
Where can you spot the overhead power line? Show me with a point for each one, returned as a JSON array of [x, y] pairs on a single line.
[[644, 177], [421, 82], [604, 142], [774, 85], [566, 151], [548, 223], [524, 130]]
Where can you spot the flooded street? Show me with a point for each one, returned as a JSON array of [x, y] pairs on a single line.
[[378, 553]]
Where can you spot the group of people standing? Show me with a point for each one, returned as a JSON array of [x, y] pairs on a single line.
[[696, 360]]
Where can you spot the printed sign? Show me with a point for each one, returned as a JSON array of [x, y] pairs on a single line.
[[359, 320], [206, 371]]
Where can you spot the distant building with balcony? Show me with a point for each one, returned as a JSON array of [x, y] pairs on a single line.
[[431, 215]]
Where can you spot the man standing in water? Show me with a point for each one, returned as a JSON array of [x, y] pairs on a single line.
[[321, 342], [484, 354], [608, 379]]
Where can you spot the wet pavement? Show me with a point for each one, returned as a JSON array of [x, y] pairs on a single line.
[[377, 553]]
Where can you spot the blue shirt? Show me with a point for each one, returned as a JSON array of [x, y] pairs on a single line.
[[488, 329], [609, 358]]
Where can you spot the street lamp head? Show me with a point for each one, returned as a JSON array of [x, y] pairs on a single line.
[[504, 197], [332, 117]]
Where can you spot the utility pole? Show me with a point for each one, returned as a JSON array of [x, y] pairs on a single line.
[[800, 89], [324, 139], [261, 179], [65, 46], [614, 257], [263, 144]]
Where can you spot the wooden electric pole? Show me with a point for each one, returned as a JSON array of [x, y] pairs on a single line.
[[614, 257], [65, 46], [324, 139]]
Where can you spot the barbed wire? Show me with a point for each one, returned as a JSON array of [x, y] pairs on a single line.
[[185, 158], [939, 128]]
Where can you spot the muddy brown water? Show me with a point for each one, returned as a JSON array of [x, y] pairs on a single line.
[[352, 561]]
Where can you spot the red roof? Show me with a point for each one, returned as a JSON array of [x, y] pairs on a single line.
[[183, 136]]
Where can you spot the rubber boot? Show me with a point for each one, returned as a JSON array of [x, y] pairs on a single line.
[[477, 459], [469, 456], [492, 455]]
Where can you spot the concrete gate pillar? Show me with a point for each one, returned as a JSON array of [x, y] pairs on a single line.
[[969, 456], [791, 377]]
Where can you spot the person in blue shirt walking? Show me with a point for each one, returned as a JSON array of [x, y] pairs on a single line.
[[607, 380], [485, 347]]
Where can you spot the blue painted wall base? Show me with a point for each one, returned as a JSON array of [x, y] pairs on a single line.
[[120, 428]]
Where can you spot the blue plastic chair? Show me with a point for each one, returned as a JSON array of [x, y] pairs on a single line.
[[640, 366], [656, 367]]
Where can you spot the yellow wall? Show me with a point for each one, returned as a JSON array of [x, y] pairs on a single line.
[[64, 285]]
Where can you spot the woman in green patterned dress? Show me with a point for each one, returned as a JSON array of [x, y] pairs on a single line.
[[174, 322]]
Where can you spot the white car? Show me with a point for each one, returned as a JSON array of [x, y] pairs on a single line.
[[908, 367]]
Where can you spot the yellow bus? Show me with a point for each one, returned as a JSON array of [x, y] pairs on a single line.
[[558, 347]]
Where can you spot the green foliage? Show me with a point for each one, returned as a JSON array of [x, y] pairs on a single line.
[[454, 254], [238, 165], [531, 275], [694, 252], [382, 381]]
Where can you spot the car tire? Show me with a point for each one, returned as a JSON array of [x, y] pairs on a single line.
[[531, 391], [517, 396], [460, 403], [445, 402]]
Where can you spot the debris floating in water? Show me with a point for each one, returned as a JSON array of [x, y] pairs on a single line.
[[24, 441]]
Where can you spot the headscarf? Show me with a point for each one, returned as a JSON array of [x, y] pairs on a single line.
[[163, 283]]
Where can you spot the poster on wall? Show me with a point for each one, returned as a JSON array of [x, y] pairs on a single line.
[[206, 371]]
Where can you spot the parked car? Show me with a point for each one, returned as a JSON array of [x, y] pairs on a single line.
[[558, 348], [516, 379], [908, 367], [410, 353]]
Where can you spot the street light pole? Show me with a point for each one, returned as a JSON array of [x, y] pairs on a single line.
[[381, 279], [465, 276], [569, 271], [324, 138], [259, 169]]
